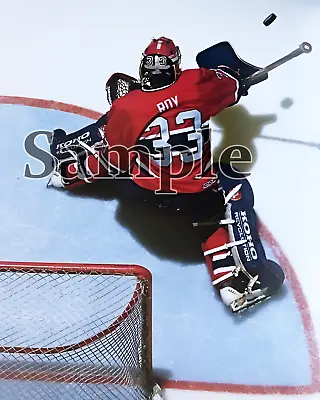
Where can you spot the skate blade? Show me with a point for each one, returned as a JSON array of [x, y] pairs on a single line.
[[243, 304], [156, 393]]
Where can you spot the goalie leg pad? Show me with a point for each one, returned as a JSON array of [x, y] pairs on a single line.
[[76, 156], [218, 256], [235, 255], [92, 135]]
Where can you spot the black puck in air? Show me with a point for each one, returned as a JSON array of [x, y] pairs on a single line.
[[270, 18]]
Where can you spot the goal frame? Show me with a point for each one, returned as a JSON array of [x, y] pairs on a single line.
[[141, 274]]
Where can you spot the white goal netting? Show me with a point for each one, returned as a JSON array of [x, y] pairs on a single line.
[[75, 332]]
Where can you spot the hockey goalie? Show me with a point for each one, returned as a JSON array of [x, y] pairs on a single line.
[[156, 134]]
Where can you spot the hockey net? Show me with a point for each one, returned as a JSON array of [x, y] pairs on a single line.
[[74, 331]]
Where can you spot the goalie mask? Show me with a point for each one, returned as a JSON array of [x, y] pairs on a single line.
[[160, 64]]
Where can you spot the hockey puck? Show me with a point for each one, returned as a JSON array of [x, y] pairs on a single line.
[[270, 18]]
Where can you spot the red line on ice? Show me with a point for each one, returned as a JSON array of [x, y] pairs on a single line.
[[50, 104]]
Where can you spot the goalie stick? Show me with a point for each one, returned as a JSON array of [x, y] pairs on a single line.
[[223, 54], [262, 74]]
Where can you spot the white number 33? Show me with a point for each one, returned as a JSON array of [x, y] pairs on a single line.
[[187, 142]]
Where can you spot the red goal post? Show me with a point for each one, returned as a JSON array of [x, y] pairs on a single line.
[[73, 330]]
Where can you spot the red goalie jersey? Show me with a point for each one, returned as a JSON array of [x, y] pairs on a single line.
[[162, 137]]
